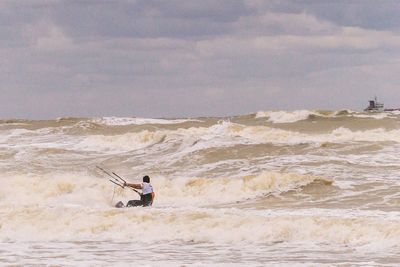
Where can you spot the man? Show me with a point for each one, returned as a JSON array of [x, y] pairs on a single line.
[[146, 197]]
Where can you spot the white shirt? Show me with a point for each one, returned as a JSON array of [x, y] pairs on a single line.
[[146, 188]]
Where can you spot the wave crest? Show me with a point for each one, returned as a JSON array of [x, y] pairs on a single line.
[[300, 115], [285, 116], [221, 190], [121, 121], [80, 189], [222, 226], [118, 143]]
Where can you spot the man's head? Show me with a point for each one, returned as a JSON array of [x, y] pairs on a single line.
[[146, 179]]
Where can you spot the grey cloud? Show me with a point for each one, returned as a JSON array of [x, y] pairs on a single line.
[[181, 19], [369, 14], [378, 15], [187, 58]]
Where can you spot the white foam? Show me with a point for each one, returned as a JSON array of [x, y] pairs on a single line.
[[79, 189], [120, 143], [263, 134], [120, 121], [377, 116], [222, 226], [285, 116], [299, 115], [54, 189], [227, 134], [219, 190], [224, 133]]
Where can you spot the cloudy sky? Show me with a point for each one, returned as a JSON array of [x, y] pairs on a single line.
[[190, 58]]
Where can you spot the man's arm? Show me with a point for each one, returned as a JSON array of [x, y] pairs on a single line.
[[136, 186]]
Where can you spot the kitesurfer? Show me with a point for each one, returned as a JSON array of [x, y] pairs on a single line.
[[146, 197]]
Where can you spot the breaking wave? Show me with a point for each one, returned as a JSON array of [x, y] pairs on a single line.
[[118, 121], [301, 115], [285, 116], [83, 190], [116, 143], [329, 181], [196, 225], [230, 134]]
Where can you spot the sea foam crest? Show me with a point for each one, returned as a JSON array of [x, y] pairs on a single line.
[[59, 189], [221, 226], [377, 116], [120, 143], [264, 134], [219, 190], [300, 115], [120, 121], [73, 206], [226, 134], [285, 116]]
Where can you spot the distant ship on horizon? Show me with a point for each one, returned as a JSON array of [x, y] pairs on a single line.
[[375, 106]]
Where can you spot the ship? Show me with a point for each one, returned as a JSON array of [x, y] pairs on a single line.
[[375, 106]]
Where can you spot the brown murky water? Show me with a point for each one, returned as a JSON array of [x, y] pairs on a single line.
[[302, 188]]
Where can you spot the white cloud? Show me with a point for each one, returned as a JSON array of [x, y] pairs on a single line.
[[347, 38], [283, 23], [296, 32], [46, 36], [177, 62]]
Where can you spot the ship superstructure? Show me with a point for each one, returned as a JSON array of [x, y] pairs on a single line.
[[375, 106]]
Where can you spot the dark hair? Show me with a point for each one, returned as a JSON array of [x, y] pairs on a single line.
[[146, 179]]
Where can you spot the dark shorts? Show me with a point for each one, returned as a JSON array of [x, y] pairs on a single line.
[[145, 200], [134, 203]]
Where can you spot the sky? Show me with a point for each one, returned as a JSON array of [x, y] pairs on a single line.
[[93, 58]]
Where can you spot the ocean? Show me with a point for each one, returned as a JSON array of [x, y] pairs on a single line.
[[274, 188]]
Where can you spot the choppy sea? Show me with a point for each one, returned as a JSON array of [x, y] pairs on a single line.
[[275, 188]]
